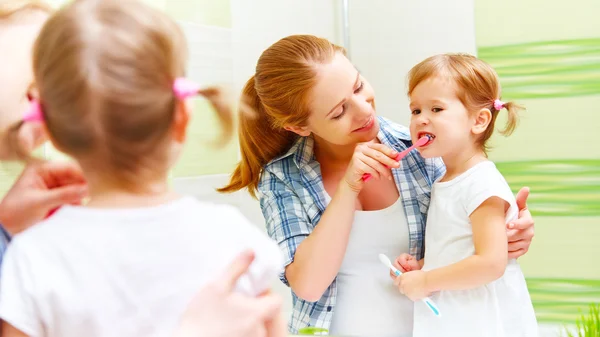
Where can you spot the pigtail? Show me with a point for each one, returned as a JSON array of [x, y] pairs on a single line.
[[513, 110], [222, 107]]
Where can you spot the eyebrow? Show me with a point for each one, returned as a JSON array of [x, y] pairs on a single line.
[[433, 101], [344, 99]]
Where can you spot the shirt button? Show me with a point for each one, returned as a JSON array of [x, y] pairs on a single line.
[[329, 308]]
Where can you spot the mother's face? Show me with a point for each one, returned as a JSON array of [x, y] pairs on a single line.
[[17, 36], [342, 104]]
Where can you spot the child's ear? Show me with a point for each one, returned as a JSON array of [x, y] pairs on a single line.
[[482, 120], [181, 120]]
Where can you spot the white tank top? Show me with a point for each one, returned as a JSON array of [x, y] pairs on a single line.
[[368, 303]]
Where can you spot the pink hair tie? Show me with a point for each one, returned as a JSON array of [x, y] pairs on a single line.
[[34, 114], [184, 88], [499, 105]]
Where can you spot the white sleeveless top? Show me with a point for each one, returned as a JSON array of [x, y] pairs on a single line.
[[368, 303]]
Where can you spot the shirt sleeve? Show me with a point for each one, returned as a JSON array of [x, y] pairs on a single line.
[[17, 298], [488, 183], [267, 258], [286, 220]]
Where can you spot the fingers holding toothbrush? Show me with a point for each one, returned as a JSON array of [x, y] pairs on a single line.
[[405, 263], [413, 284], [373, 159]]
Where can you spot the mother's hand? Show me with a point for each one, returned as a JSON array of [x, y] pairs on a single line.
[[372, 158], [218, 310], [41, 188], [521, 231]]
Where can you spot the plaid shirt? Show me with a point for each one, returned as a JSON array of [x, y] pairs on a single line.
[[4, 240], [293, 198]]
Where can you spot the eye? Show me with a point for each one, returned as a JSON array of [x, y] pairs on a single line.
[[338, 116], [437, 109], [360, 87], [416, 112]]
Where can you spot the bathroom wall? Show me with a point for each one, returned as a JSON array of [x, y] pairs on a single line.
[[548, 59]]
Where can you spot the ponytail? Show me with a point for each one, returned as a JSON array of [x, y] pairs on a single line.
[[513, 110], [260, 142]]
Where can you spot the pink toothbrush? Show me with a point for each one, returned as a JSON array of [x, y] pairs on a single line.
[[421, 142]]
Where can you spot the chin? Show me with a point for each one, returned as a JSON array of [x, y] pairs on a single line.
[[428, 153], [372, 134]]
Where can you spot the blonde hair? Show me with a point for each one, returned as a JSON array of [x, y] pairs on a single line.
[[278, 94], [478, 87], [11, 8], [104, 70]]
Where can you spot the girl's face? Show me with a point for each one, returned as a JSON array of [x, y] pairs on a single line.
[[437, 111]]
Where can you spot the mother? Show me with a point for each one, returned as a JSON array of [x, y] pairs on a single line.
[[315, 136]]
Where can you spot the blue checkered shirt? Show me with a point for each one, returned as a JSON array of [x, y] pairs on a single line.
[[293, 198], [4, 240]]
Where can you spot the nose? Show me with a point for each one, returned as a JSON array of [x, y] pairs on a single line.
[[421, 119], [362, 107]]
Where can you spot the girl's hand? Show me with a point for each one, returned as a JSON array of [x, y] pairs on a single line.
[[373, 158], [413, 284], [407, 262], [404, 263]]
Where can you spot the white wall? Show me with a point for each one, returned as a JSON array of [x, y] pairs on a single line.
[[257, 24], [388, 37]]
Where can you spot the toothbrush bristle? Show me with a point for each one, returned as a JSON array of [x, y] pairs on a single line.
[[424, 140]]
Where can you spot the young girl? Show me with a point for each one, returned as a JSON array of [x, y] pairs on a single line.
[[111, 95], [455, 100]]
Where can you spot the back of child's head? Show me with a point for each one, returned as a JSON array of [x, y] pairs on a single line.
[[105, 71], [477, 87]]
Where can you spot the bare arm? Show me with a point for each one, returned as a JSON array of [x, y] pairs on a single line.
[[319, 257], [489, 261], [315, 255]]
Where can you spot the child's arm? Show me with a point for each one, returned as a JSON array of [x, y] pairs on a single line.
[[486, 265], [10, 331], [489, 261]]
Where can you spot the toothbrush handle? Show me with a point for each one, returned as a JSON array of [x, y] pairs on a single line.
[[399, 157], [431, 306], [428, 302]]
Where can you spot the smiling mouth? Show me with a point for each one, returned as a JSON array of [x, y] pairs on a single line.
[[367, 124]]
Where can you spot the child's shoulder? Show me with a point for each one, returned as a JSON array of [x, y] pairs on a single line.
[[485, 181], [234, 233]]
